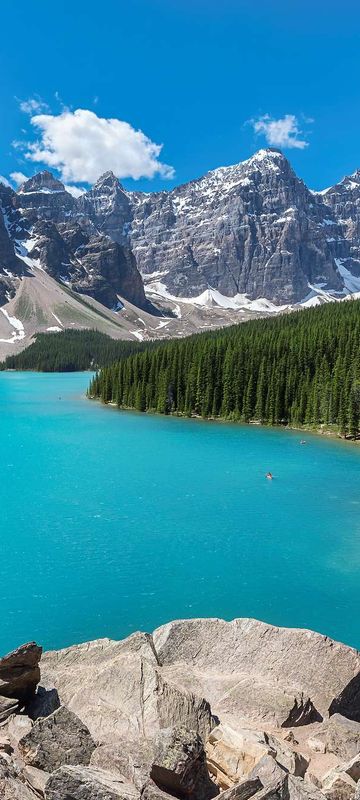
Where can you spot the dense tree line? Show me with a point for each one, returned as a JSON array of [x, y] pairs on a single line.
[[69, 351], [301, 368]]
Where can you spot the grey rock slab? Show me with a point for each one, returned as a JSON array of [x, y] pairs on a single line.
[[8, 706], [119, 691], [19, 725], [299, 789], [343, 737], [152, 792], [249, 668], [12, 786], [289, 759], [20, 672], [352, 768], [130, 759], [232, 754], [269, 771], [179, 765], [61, 738], [338, 785], [88, 783], [243, 790]]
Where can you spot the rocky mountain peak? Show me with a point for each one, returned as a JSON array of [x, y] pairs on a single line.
[[42, 182], [108, 180]]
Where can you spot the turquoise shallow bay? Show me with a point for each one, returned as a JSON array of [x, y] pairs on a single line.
[[111, 522]]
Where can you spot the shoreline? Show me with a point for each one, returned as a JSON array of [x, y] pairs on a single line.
[[320, 431]]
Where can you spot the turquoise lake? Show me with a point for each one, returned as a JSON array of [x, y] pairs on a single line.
[[113, 522]]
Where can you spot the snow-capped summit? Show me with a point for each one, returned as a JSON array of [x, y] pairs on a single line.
[[250, 234]]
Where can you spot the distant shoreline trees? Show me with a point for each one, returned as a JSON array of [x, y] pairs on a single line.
[[300, 369], [70, 351]]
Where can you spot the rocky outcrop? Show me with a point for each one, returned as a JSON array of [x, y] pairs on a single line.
[[20, 672], [87, 262], [162, 716], [179, 765], [343, 737], [251, 669], [44, 197], [250, 228], [124, 694], [58, 739], [87, 783]]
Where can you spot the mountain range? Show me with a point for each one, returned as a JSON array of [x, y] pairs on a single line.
[[242, 240]]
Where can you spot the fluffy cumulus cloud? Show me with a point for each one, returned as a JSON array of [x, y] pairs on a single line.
[[284, 132], [82, 146]]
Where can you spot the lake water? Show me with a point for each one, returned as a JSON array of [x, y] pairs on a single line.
[[113, 522]]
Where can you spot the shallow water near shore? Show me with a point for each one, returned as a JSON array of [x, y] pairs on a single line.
[[113, 522]]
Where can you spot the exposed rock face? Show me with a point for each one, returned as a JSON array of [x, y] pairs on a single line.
[[58, 739], [8, 706], [179, 765], [108, 207], [46, 227], [20, 672], [248, 231], [344, 201], [124, 694], [234, 754], [11, 267], [260, 679], [87, 783], [251, 228], [343, 737], [44, 197], [136, 721], [88, 262]]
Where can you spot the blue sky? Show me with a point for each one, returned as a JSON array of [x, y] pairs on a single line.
[[205, 79]]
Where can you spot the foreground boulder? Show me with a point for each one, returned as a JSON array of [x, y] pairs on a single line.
[[243, 790], [199, 708], [58, 739], [12, 786], [20, 672], [233, 754], [250, 668], [179, 765], [8, 706], [88, 783], [343, 737], [130, 759], [119, 691], [337, 785]]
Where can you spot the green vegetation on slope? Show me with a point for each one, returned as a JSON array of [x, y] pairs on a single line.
[[302, 369], [69, 351]]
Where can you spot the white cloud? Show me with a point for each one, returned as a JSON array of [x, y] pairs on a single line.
[[82, 146], [76, 191], [18, 177], [33, 105], [5, 181], [282, 132]]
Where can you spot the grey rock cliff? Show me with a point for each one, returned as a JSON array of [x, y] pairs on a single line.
[[199, 708], [251, 228]]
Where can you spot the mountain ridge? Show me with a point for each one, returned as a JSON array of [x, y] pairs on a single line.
[[249, 238]]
